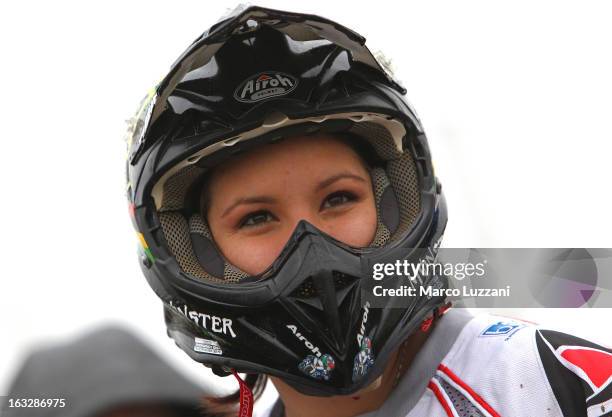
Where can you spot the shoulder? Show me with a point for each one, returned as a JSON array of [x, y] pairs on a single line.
[[516, 368], [578, 370]]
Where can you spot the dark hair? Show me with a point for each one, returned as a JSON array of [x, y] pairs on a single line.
[[227, 405]]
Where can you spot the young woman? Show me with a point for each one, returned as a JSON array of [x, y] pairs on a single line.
[[273, 166]]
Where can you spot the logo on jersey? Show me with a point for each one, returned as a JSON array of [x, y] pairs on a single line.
[[502, 329], [265, 85], [594, 366]]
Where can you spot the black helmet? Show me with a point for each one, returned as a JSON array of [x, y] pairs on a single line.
[[253, 78]]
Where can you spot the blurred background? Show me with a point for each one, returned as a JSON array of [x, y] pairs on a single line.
[[515, 97]]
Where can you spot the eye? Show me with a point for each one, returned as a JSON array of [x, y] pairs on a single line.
[[338, 198], [256, 218]]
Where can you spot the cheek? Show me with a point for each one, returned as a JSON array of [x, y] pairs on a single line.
[[252, 254], [356, 228]]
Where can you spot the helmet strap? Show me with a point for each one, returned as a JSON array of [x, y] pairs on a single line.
[[246, 397], [404, 355]]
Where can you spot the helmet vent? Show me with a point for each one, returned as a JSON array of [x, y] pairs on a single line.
[[308, 290], [329, 310]]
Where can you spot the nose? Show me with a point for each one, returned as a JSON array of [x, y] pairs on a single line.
[[310, 216]]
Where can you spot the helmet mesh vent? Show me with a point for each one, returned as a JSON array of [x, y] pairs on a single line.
[[403, 176], [378, 136], [176, 187], [379, 182], [176, 231]]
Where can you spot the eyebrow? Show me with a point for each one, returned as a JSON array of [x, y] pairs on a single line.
[[249, 200], [259, 199], [329, 181]]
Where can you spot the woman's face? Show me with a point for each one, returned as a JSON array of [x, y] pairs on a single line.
[[256, 200]]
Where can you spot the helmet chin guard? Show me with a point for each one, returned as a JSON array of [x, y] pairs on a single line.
[[305, 319], [308, 303]]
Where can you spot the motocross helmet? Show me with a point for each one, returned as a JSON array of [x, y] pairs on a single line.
[[258, 76]]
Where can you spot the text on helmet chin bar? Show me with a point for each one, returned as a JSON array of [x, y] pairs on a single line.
[[364, 320], [208, 322], [314, 349]]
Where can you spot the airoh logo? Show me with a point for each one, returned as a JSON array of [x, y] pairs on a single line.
[[265, 85]]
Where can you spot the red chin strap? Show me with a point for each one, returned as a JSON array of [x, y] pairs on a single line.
[[246, 397], [438, 312]]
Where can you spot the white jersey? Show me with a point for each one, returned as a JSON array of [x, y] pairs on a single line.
[[492, 366]]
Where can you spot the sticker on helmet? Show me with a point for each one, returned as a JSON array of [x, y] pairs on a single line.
[[364, 320], [318, 367], [138, 125], [265, 85], [207, 322], [207, 346], [314, 349], [364, 359]]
